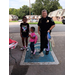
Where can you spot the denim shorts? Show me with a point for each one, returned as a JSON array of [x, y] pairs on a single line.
[[24, 36]]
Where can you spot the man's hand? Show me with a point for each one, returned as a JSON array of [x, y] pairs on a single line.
[[48, 31], [51, 28]]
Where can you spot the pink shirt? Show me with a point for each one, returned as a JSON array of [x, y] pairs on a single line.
[[33, 40]]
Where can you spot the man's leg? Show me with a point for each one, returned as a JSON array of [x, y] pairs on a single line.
[[42, 42]]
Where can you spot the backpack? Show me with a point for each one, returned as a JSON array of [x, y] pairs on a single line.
[[36, 38]]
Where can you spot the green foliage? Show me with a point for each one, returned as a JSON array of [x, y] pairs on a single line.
[[24, 10], [49, 5], [37, 7]]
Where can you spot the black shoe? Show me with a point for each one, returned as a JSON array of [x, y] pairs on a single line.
[[47, 52]]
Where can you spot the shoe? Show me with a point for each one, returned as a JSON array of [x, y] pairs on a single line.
[[31, 52], [27, 49], [41, 54], [34, 52], [40, 51], [23, 48], [47, 52]]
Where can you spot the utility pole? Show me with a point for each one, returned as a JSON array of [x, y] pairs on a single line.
[[29, 10]]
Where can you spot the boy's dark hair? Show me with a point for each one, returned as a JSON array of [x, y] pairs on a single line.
[[24, 17], [33, 28]]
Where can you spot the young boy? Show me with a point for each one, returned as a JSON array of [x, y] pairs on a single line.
[[24, 32]]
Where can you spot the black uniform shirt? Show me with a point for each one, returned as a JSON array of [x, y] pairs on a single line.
[[45, 23], [24, 29]]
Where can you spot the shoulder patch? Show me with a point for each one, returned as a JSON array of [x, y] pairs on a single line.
[[52, 20]]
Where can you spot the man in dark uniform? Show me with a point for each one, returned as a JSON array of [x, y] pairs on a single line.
[[45, 24]]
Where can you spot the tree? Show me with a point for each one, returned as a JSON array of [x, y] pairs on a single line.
[[49, 5], [13, 11], [23, 11], [60, 7]]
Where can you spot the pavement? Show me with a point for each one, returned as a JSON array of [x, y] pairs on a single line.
[[15, 28], [59, 50]]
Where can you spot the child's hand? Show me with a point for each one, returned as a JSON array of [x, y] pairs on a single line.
[[29, 35], [21, 35]]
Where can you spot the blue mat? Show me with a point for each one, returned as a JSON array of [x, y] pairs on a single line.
[[37, 58]]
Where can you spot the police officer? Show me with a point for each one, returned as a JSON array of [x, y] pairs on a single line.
[[45, 24]]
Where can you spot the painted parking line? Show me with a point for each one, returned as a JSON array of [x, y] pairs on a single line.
[[10, 69], [29, 59]]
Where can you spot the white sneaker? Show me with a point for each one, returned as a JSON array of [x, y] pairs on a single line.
[[34, 51], [22, 49], [31, 52], [27, 49], [41, 54]]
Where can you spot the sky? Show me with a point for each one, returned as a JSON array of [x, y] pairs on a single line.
[[19, 3]]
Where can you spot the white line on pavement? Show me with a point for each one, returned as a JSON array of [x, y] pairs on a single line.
[[10, 69]]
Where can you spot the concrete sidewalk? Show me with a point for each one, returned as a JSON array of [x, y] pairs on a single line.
[[59, 50]]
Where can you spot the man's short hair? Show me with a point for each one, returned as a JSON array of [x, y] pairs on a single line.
[[44, 10]]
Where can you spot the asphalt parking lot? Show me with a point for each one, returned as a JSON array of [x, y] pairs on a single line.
[[59, 50]]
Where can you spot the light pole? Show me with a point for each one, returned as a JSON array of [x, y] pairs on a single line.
[[29, 10]]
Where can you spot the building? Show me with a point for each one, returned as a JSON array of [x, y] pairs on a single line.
[[57, 15], [13, 17], [36, 17]]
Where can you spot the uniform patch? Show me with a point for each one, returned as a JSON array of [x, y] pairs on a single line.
[[52, 20]]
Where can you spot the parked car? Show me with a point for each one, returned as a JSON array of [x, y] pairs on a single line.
[[19, 20], [63, 21], [33, 20]]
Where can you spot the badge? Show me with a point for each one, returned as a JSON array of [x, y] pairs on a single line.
[[47, 21]]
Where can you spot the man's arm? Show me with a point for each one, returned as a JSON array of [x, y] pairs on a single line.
[[39, 30], [52, 24], [51, 28]]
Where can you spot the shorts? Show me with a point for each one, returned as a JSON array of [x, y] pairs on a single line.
[[24, 36]]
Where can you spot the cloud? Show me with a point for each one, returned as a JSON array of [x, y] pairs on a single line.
[[62, 3]]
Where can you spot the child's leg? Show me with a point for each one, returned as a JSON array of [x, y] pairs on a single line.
[[32, 46], [26, 41], [23, 41]]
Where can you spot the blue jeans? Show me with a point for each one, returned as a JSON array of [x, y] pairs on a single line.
[[32, 46]]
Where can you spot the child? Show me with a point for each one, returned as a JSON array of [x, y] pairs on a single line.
[[24, 32], [33, 40]]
